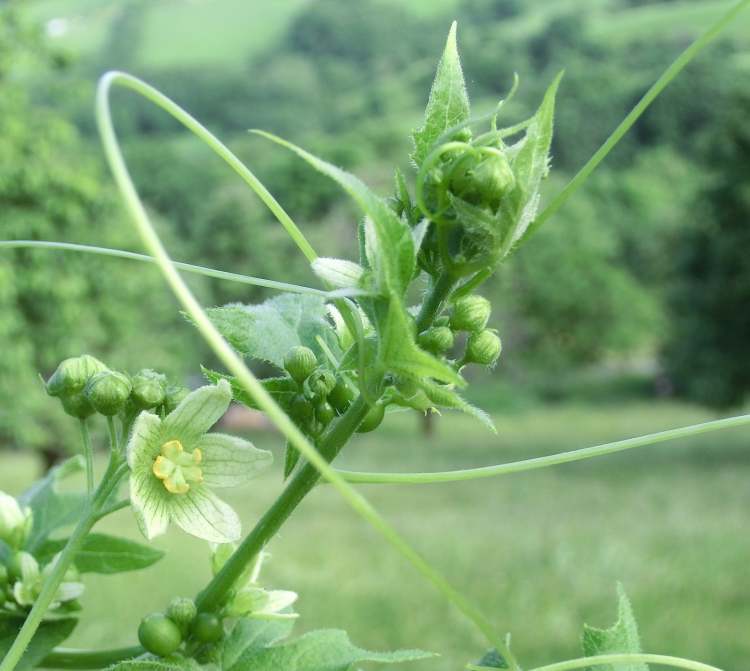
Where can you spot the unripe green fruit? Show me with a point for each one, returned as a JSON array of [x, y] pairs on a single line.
[[107, 391], [72, 374], [341, 396], [159, 635], [438, 339], [182, 612], [483, 348], [173, 397], [470, 313], [77, 405], [301, 410], [324, 413], [319, 384], [207, 628], [149, 389], [372, 419], [299, 362]]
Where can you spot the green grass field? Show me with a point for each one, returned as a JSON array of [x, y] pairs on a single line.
[[540, 552]]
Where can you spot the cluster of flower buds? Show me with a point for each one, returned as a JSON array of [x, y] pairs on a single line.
[[86, 386], [321, 395], [470, 314], [21, 574]]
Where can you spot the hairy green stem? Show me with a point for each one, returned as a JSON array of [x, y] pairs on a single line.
[[544, 462], [236, 365], [61, 566], [656, 88], [72, 658], [433, 301], [88, 453], [133, 256], [626, 659], [308, 476]]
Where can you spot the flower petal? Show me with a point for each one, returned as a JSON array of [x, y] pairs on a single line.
[[203, 514], [229, 461], [150, 502], [145, 441], [198, 412]]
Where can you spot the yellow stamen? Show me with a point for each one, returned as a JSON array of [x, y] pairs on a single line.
[[176, 468]]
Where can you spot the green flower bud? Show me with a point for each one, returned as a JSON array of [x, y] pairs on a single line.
[[207, 628], [77, 405], [484, 181], [319, 384], [182, 612], [372, 419], [438, 339], [15, 522], [470, 313], [443, 320], [483, 348], [149, 389], [159, 635], [341, 396], [324, 413], [173, 396], [299, 363], [108, 391], [23, 567], [72, 375]]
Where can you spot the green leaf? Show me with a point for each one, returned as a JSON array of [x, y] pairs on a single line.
[[622, 637], [447, 398], [291, 458], [390, 246], [49, 634], [448, 104], [53, 509], [151, 663], [248, 636], [269, 330], [281, 388], [105, 554], [531, 165], [324, 650], [400, 354]]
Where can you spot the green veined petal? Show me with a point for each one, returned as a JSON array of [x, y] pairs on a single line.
[[149, 500], [145, 442], [201, 513], [229, 461], [197, 413]]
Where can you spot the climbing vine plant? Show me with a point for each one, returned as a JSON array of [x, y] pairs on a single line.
[[345, 354]]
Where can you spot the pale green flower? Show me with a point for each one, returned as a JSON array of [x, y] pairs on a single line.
[[15, 521], [174, 463], [26, 589]]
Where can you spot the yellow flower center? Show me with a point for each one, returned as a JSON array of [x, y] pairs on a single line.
[[176, 468]]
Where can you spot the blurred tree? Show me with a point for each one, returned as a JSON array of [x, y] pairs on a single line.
[[706, 354]]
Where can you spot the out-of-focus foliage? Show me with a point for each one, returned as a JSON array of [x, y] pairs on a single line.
[[53, 306]]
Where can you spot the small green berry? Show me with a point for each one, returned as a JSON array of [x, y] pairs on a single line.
[[72, 374], [207, 628], [438, 339], [372, 419], [159, 635], [341, 396], [299, 362], [107, 391], [301, 410], [149, 389], [470, 313], [182, 612], [483, 348], [324, 413]]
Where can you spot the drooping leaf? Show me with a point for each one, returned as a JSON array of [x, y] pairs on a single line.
[[531, 163], [400, 354], [448, 104], [324, 650], [49, 634], [248, 636], [392, 256], [51, 508], [105, 554], [622, 637], [269, 330]]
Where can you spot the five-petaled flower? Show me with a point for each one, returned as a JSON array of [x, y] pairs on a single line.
[[174, 462]]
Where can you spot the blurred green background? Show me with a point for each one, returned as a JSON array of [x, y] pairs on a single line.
[[627, 313]]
